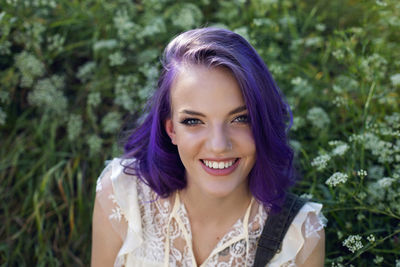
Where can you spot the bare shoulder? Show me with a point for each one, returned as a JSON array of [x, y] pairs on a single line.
[[317, 256]]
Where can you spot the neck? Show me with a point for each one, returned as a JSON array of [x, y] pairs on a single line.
[[207, 209]]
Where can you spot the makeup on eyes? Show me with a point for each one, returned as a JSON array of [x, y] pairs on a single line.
[[243, 118]]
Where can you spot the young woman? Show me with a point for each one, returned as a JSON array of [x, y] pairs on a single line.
[[206, 168]]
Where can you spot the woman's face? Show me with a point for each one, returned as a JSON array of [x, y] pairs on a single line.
[[210, 127]]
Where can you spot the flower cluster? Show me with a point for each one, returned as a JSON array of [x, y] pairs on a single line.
[[30, 68], [318, 117], [353, 243], [111, 123], [74, 126], [321, 162], [48, 95], [336, 178]]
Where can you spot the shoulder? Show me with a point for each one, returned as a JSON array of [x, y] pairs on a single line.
[[116, 215], [304, 237]]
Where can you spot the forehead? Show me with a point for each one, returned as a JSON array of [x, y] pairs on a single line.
[[201, 88]]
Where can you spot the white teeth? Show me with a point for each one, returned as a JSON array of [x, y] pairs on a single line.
[[218, 164]]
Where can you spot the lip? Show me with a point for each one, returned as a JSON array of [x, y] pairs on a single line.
[[220, 172]]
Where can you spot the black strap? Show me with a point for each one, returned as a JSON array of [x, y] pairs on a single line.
[[275, 229]]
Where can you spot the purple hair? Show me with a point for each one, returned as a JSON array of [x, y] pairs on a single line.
[[157, 161]]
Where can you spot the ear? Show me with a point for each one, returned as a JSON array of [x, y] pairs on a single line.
[[169, 128]]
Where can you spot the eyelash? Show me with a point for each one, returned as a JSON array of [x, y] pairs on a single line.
[[242, 119], [191, 121], [194, 121]]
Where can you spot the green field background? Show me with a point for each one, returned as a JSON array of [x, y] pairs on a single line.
[[74, 77]]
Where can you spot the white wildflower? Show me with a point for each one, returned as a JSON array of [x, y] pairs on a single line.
[[336, 178], [371, 238], [307, 196], [375, 171], [126, 28], [360, 217], [155, 26], [362, 173], [316, 41], [296, 145], [339, 101], [338, 54], [105, 44], [95, 144], [381, 3], [56, 42], [298, 122], [393, 120], [85, 72], [318, 117], [287, 20], [94, 99], [353, 243], [339, 234], [116, 59], [347, 83], [111, 122], [321, 162], [74, 126], [124, 91], [340, 150], [385, 182], [5, 47], [48, 95], [337, 89], [301, 86], [187, 16], [30, 68], [395, 79], [320, 27], [362, 195], [378, 259], [397, 263]]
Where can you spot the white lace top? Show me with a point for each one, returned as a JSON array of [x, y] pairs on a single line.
[[156, 232]]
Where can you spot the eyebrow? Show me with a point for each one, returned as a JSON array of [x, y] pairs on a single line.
[[234, 111]]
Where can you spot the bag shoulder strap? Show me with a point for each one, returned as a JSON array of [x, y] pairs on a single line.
[[275, 229]]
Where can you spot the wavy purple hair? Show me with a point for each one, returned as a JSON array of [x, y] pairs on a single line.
[[157, 160]]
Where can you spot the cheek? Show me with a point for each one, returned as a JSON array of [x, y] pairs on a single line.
[[188, 141], [243, 138]]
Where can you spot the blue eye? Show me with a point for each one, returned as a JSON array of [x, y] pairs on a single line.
[[242, 119], [191, 122]]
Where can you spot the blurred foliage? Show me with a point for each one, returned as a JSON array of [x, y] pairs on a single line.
[[72, 72]]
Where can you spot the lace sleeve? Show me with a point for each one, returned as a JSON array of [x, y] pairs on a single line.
[[106, 196], [311, 227], [117, 195], [301, 237]]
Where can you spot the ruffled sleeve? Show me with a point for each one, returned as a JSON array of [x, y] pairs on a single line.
[[117, 195], [301, 237]]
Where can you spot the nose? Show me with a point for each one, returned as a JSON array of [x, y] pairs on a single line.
[[219, 140]]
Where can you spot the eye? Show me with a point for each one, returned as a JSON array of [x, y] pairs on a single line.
[[242, 119], [191, 122]]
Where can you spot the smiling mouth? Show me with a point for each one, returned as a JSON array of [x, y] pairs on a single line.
[[219, 165]]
